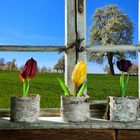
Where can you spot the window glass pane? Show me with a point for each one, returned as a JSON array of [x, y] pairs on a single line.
[[125, 6], [101, 83], [45, 82], [32, 22]]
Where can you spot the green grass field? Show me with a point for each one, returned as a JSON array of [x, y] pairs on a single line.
[[47, 86]]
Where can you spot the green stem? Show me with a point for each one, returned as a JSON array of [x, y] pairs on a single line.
[[28, 85], [123, 85], [25, 87], [122, 90], [126, 82]]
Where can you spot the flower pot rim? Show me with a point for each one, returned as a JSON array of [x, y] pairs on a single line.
[[126, 97], [28, 96], [75, 97]]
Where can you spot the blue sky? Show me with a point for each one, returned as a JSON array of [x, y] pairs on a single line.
[[41, 22]]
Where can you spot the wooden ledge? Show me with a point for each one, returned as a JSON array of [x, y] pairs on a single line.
[[50, 119], [56, 123]]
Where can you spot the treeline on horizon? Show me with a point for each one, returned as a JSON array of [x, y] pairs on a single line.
[[12, 66], [59, 67]]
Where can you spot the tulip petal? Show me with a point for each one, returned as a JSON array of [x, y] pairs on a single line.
[[79, 73], [34, 69], [124, 65], [21, 78]]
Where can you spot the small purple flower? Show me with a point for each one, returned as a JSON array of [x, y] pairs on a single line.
[[124, 65]]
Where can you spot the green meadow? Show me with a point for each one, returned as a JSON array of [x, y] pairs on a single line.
[[100, 86]]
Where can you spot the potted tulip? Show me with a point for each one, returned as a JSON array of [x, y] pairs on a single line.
[[123, 108], [26, 108], [75, 106]]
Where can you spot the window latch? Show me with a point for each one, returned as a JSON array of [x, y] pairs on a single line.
[[80, 6], [72, 45]]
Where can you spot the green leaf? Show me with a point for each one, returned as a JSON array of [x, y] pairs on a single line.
[[82, 89], [64, 87], [25, 87]]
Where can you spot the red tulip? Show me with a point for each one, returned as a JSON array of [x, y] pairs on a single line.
[[30, 69]]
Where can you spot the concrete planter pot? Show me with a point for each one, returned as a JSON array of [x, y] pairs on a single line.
[[25, 109], [75, 109], [123, 109]]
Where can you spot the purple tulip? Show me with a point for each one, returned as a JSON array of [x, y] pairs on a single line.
[[124, 65]]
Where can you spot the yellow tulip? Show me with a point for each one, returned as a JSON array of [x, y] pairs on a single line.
[[79, 73]]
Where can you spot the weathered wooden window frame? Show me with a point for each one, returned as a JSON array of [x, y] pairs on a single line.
[[75, 30], [51, 127]]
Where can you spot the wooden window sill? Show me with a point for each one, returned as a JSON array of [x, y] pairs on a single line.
[[56, 123]]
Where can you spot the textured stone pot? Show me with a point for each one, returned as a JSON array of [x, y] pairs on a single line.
[[75, 109], [25, 109], [123, 109]]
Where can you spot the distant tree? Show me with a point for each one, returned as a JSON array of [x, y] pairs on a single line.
[[49, 69], [61, 62], [2, 66], [2, 63], [13, 66], [60, 65], [8, 66], [38, 69], [111, 26], [21, 68], [107, 69], [2, 60], [56, 67], [134, 69], [43, 69]]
